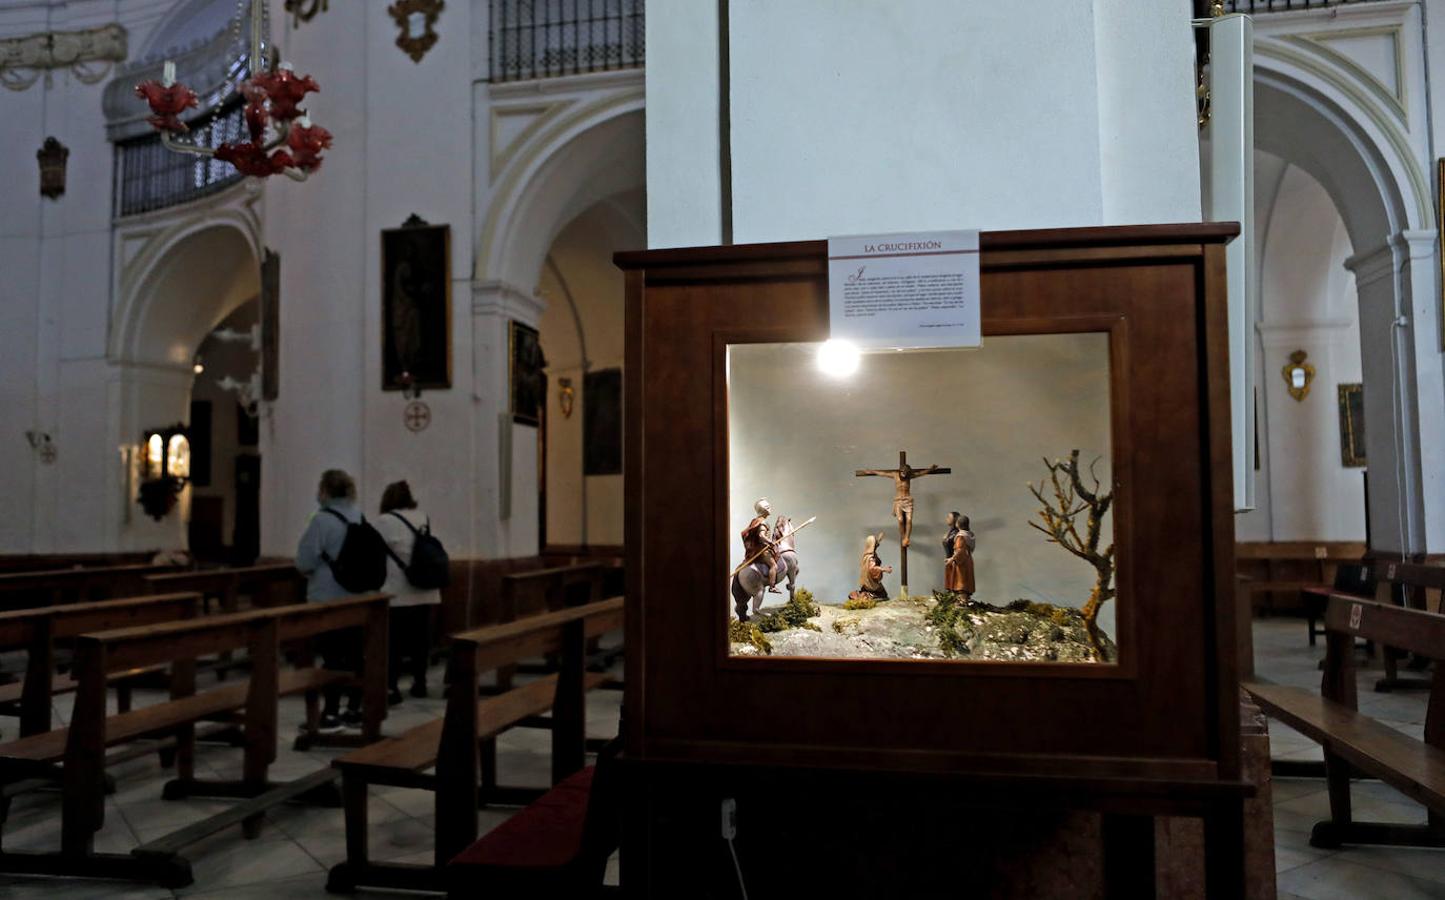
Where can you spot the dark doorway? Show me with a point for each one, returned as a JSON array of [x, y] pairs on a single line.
[[246, 539]]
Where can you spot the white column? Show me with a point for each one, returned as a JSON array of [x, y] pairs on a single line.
[[505, 508], [1402, 417]]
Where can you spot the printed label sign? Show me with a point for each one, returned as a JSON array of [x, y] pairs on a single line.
[[905, 290], [1356, 611]]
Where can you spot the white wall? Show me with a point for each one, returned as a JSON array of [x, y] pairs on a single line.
[[402, 146], [1308, 302], [991, 415], [922, 114]]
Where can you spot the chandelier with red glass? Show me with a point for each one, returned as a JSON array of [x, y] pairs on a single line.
[[283, 141]]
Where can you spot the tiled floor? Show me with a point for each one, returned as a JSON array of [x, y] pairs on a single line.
[[299, 844]]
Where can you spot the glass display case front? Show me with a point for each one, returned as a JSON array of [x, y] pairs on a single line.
[[950, 504]]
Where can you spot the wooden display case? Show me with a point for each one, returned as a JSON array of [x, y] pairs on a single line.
[[1155, 732]]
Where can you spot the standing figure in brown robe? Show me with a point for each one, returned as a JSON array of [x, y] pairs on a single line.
[[871, 571], [958, 570]]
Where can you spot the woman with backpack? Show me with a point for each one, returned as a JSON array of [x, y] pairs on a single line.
[[416, 569], [341, 556]]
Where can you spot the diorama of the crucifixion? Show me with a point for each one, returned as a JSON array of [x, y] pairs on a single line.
[[1022, 566]]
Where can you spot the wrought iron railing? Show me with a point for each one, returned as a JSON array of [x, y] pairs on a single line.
[[1261, 6], [548, 38], [150, 177]]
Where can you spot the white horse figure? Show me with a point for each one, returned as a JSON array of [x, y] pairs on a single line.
[[749, 585]]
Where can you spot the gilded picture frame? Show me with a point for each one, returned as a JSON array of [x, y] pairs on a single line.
[[416, 306], [1352, 425]]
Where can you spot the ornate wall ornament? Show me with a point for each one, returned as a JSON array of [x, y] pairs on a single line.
[[566, 396], [88, 54], [417, 20], [416, 416], [52, 157], [305, 10], [1298, 374]]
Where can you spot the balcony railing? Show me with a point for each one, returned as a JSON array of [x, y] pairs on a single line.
[[1262, 6], [550, 38], [150, 177]]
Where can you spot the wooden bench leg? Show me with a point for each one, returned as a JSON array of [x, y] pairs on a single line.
[[487, 756], [1329, 835], [342, 878], [184, 758]]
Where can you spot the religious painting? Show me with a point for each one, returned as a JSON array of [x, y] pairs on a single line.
[[528, 380], [416, 308], [1352, 426], [270, 325], [602, 423], [951, 504]]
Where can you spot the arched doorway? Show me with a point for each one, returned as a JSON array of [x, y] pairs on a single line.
[[182, 285], [571, 193], [582, 336], [1377, 194]]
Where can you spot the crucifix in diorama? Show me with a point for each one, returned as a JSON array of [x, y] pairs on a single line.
[[903, 503]]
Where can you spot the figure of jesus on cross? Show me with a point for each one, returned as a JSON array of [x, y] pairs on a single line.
[[903, 501]]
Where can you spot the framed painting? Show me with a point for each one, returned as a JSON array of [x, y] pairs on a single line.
[[528, 382], [602, 423], [1352, 426], [270, 326], [416, 307]]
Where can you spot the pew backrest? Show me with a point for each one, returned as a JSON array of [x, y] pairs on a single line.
[[22, 627], [499, 645], [545, 590], [136, 647], [226, 583], [71, 578]]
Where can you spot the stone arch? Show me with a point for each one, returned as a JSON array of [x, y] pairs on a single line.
[[1312, 116], [580, 158], [158, 321], [182, 282]]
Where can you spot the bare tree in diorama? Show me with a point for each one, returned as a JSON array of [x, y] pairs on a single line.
[[1060, 517]]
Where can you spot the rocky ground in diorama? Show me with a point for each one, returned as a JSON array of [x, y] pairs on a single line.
[[944, 625]]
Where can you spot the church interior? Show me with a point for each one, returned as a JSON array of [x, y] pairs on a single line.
[[477, 448]]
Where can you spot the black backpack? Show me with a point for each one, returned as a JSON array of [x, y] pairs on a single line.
[[361, 565], [430, 566]]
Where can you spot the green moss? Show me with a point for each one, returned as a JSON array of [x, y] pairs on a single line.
[[749, 633], [1059, 615], [842, 623], [860, 603], [793, 614]]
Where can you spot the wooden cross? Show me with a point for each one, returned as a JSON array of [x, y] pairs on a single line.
[[903, 511]]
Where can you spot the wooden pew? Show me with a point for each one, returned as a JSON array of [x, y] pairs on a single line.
[[82, 746], [267, 584], [556, 847], [53, 587], [39, 562], [38, 631], [1355, 579], [1410, 585], [1355, 743], [1276, 570], [462, 745]]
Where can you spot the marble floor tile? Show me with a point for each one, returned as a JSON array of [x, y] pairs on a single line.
[[227, 860], [1337, 878]]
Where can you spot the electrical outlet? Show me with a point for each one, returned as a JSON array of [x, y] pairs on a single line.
[[729, 818]]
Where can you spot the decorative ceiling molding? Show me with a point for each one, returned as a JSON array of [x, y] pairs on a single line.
[[89, 55], [513, 125]]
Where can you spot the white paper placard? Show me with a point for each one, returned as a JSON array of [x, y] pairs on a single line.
[[905, 290]]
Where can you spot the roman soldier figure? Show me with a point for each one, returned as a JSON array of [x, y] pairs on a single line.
[[757, 539]]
